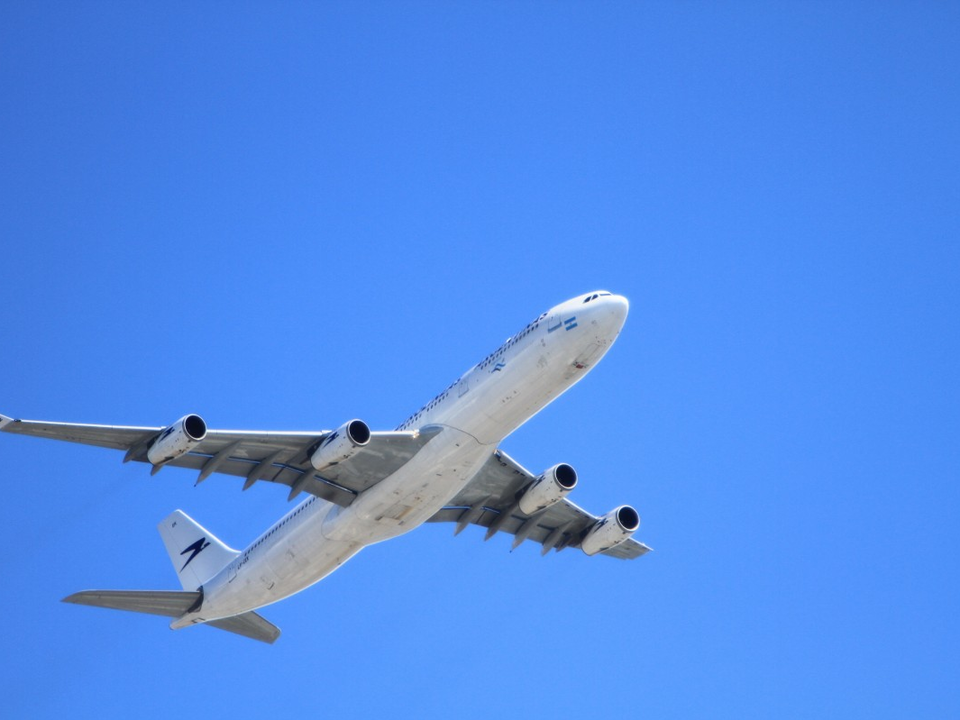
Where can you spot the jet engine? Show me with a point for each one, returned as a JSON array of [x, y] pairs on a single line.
[[611, 530], [177, 439], [342, 444], [548, 489]]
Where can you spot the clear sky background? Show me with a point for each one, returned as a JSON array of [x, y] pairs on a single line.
[[284, 216]]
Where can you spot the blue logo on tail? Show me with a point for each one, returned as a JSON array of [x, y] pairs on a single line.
[[195, 550]]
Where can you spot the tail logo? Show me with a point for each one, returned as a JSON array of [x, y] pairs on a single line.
[[194, 550]]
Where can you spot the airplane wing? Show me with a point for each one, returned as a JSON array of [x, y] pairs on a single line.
[[490, 501], [269, 456]]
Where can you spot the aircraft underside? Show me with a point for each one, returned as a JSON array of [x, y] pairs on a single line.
[[363, 487]]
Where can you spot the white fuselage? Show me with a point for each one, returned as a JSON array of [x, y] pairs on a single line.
[[487, 403]]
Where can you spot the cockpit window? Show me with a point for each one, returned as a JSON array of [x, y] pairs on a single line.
[[596, 295]]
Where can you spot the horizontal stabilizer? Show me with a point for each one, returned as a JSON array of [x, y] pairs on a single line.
[[175, 604], [250, 625], [155, 602]]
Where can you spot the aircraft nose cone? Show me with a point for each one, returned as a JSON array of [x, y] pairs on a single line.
[[608, 313], [620, 306], [617, 306]]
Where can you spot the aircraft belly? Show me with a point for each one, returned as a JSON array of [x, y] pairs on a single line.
[[305, 558], [317, 561], [492, 403], [414, 493]]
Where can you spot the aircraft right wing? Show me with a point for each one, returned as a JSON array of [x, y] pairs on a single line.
[[490, 501]]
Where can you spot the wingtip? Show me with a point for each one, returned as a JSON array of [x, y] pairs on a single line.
[[4, 421]]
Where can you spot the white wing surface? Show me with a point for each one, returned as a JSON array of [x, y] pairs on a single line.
[[256, 455], [490, 501]]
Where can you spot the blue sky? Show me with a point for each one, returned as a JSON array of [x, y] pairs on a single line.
[[283, 216]]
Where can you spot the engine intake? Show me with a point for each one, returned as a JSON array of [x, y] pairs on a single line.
[[548, 489], [612, 529], [342, 444], [177, 439]]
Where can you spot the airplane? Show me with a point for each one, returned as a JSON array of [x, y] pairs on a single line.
[[442, 464]]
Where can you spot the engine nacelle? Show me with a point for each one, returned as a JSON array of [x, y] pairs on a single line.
[[177, 439], [548, 489], [342, 444], [611, 530]]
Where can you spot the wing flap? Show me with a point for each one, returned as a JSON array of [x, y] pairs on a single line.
[[557, 527], [287, 459]]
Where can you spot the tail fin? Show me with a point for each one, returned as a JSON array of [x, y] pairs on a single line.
[[194, 551]]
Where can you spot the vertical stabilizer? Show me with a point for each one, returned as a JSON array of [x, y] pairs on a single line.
[[194, 551]]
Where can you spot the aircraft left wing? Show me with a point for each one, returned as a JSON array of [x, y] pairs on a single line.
[[490, 500], [270, 456]]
